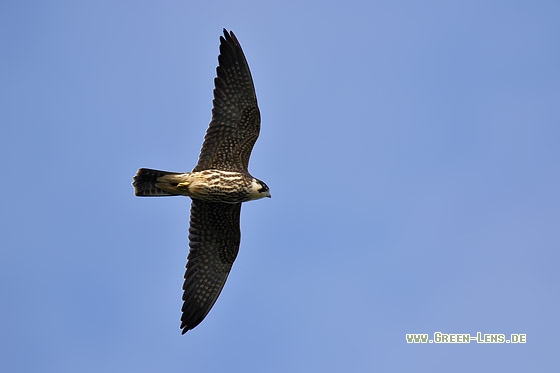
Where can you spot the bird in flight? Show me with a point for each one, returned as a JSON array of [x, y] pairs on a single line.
[[217, 185]]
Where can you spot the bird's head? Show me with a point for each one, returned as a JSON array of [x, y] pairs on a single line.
[[259, 189]]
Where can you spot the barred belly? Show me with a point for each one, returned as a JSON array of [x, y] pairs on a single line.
[[209, 185]]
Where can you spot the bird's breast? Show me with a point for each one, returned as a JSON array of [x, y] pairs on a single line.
[[217, 186]]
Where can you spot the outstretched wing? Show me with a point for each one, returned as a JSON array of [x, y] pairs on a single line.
[[214, 237], [236, 118]]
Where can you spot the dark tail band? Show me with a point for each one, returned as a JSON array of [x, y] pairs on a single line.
[[144, 183]]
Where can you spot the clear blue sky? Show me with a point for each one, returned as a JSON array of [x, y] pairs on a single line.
[[411, 148]]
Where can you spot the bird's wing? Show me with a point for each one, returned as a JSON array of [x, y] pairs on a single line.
[[236, 118], [214, 237]]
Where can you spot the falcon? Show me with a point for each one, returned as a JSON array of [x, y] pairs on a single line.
[[218, 184]]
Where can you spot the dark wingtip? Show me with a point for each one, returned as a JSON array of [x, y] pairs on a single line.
[[229, 36], [226, 35]]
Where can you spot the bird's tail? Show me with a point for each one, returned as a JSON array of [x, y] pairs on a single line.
[[144, 183]]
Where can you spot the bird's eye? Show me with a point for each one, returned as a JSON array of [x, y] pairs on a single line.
[[263, 188]]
